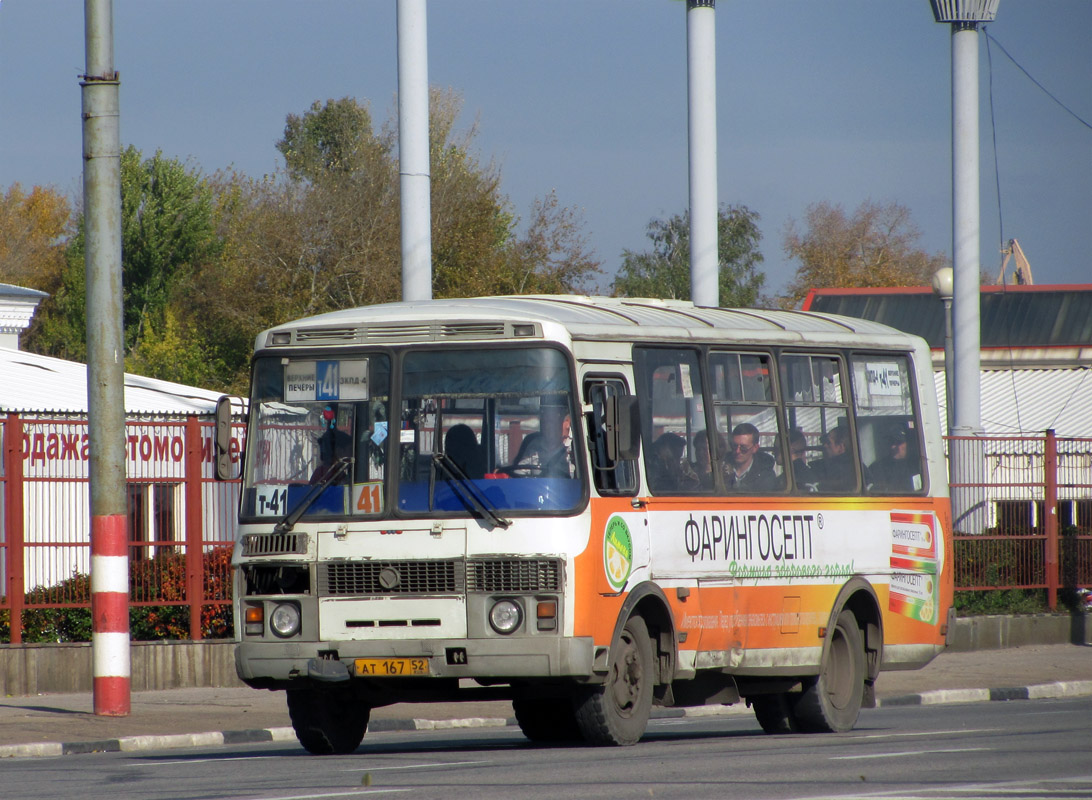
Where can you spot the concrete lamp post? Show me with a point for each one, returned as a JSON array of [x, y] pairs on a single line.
[[963, 372]]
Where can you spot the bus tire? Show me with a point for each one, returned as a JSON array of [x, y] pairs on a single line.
[[831, 702], [775, 713], [616, 713], [329, 722], [547, 720]]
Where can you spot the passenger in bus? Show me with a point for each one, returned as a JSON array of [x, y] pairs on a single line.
[[668, 469], [547, 452], [834, 471], [461, 446], [751, 470], [897, 471], [333, 444], [703, 466], [803, 474]]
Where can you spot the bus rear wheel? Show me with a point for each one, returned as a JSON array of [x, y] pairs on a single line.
[[547, 720], [327, 722], [831, 702], [616, 713]]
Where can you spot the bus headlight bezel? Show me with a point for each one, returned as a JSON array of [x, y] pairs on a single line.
[[506, 616], [286, 620]]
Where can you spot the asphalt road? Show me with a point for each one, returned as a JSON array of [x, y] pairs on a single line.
[[1033, 749]]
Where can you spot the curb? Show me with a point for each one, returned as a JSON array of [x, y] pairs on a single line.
[[1038, 692], [286, 734]]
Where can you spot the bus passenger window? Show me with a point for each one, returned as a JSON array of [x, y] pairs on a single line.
[[748, 426], [888, 424], [817, 410], [669, 386]]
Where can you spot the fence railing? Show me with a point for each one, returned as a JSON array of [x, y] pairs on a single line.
[[1022, 512], [1023, 521], [181, 525]]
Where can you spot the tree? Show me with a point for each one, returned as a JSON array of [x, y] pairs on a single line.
[[340, 203], [873, 247], [33, 228], [665, 271], [331, 139], [166, 232]]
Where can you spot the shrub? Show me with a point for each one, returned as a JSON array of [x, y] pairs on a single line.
[[158, 584]]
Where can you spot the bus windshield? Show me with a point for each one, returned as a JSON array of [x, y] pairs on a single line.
[[474, 433], [497, 423], [309, 416]]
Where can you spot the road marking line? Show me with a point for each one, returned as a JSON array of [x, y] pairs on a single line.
[[352, 793], [928, 733], [417, 766], [910, 753], [197, 760]]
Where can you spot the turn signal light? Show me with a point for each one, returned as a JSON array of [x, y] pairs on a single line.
[[254, 617], [546, 612]]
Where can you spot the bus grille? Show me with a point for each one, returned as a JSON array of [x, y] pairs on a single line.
[[514, 575], [390, 577], [364, 578], [274, 544]]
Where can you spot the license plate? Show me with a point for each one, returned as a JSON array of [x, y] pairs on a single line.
[[391, 667]]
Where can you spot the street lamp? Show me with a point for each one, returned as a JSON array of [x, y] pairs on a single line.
[[942, 288]]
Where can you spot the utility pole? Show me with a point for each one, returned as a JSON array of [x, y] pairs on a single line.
[[701, 73], [414, 175], [964, 17], [105, 365]]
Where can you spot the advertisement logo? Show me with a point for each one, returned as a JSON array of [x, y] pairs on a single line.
[[617, 553]]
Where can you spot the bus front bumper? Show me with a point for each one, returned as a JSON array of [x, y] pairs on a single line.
[[517, 659]]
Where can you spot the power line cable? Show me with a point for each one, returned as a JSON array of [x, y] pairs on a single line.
[[1001, 227], [1067, 109]]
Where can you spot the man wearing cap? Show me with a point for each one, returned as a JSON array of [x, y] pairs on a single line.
[[896, 472]]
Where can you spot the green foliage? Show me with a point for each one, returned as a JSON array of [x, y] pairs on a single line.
[[167, 231], [1001, 601], [331, 139], [665, 271], [59, 624]]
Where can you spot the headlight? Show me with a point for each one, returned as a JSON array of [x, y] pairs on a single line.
[[285, 620], [505, 616]]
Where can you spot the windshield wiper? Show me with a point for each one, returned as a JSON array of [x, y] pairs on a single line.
[[337, 469], [470, 494]]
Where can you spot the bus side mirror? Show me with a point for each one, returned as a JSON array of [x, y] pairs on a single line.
[[223, 439], [622, 428]]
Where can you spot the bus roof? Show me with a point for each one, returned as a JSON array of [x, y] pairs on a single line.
[[584, 317]]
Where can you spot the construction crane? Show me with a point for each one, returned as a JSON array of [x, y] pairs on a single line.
[[1021, 271]]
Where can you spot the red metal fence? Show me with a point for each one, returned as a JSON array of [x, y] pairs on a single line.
[[1023, 521], [1023, 513], [182, 523]]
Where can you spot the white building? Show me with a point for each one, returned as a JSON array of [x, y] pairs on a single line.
[[46, 445]]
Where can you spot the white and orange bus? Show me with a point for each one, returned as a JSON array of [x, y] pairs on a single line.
[[588, 506]]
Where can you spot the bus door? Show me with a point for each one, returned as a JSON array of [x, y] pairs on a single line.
[[614, 444]]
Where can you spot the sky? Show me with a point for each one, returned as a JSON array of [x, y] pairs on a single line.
[[836, 101]]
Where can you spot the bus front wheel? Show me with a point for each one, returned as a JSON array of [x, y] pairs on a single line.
[[616, 713], [327, 722], [547, 720], [831, 702], [774, 713]]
